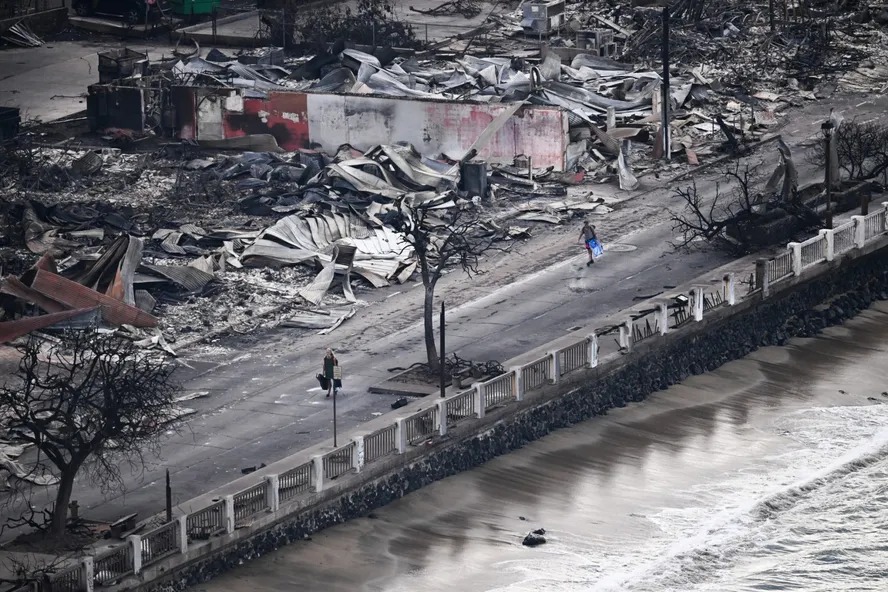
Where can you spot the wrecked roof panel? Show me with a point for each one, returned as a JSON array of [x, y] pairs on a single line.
[[11, 330], [186, 276], [78, 296]]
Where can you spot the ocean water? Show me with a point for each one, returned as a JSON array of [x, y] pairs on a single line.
[[769, 474]]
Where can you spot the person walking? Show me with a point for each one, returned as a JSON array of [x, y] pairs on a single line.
[[330, 365], [590, 239]]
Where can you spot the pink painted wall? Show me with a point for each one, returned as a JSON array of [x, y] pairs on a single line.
[[435, 128]]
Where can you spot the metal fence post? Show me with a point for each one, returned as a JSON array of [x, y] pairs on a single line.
[[401, 436], [480, 403], [317, 465], [729, 286], [859, 231], [183, 534], [796, 249], [272, 492], [517, 383], [554, 366], [592, 362], [229, 513], [136, 542], [442, 417], [829, 236], [88, 573]]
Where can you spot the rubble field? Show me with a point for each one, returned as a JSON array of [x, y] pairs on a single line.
[[175, 239]]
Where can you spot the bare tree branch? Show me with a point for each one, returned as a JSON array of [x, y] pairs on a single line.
[[90, 404], [441, 239]]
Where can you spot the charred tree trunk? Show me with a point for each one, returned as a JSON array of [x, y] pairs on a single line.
[[428, 314], [63, 498]]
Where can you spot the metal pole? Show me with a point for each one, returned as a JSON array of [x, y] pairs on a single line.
[[828, 147], [335, 444], [664, 108], [169, 498], [443, 378]]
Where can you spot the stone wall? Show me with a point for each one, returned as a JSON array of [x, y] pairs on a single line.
[[803, 311]]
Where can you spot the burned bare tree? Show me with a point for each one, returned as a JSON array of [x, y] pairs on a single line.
[[89, 403], [734, 220], [861, 149], [441, 238]]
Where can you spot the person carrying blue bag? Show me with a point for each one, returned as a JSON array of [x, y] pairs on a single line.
[[590, 239]]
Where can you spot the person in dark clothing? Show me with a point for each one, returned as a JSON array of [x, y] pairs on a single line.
[[588, 236], [330, 362]]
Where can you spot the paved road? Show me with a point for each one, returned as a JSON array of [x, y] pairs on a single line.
[[264, 403]]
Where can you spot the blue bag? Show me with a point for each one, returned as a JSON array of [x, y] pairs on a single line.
[[596, 248]]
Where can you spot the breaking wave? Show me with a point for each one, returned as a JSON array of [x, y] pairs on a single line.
[[717, 538]]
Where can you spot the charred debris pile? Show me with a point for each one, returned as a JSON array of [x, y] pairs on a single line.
[[181, 241], [174, 244]]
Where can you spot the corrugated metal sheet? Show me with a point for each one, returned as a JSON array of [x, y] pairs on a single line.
[[11, 330], [190, 278], [73, 294], [13, 287]]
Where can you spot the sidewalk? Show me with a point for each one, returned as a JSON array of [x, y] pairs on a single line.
[[263, 402], [49, 82]]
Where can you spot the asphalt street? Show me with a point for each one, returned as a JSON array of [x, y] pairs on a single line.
[[263, 403]]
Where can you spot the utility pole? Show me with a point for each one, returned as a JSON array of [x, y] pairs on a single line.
[[827, 129], [443, 377], [335, 443], [665, 103], [169, 498]]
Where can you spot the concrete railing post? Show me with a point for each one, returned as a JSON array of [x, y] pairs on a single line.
[[829, 236], [480, 400], [761, 276], [183, 534], [796, 249], [884, 216], [517, 383], [859, 231], [272, 492], [401, 436], [729, 289], [136, 542], [358, 453], [317, 465], [663, 318], [593, 350], [626, 335], [699, 302], [88, 571], [229, 513], [554, 366], [442, 417]]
